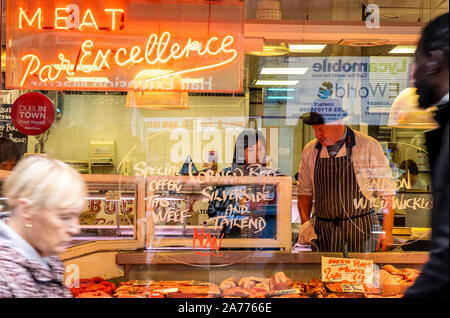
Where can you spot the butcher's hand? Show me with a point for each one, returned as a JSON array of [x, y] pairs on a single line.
[[307, 233], [385, 242]]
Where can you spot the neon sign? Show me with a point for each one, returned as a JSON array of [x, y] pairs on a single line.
[[70, 20], [120, 48]]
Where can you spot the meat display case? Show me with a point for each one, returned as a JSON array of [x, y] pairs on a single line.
[[144, 250], [301, 266]]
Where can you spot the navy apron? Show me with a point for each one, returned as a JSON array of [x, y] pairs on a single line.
[[339, 225]]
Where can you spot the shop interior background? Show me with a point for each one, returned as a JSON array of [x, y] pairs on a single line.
[[204, 131]]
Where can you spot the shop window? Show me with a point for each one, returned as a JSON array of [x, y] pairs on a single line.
[[109, 134]]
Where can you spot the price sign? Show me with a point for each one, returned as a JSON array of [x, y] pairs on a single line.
[[347, 269], [142, 282], [352, 288]]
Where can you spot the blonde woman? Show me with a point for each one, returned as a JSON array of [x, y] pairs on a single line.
[[45, 199]]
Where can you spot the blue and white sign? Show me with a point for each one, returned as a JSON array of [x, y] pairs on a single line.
[[365, 86]]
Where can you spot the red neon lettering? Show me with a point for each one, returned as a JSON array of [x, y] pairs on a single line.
[[113, 16], [157, 51], [37, 15], [89, 15], [191, 46], [33, 60], [134, 53], [86, 53], [65, 16], [34, 65], [58, 18], [153, 39], [100, 56], [103, 58]]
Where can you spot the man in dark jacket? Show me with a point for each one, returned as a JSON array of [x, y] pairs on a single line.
[[431, 81]]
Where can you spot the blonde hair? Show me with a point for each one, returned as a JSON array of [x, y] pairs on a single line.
[[47, 183]]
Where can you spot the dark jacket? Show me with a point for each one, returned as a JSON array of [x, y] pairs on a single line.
[[434, 279], [267, 211]]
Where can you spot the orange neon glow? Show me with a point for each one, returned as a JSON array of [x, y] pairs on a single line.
[[158, 50], [37, 15], [63, 14], [134, 52], [58, 18], [34, 66], [86, 53], [88, 79], [203, 68], [87, 15], [113, 11], [162, 44], [196, 46], [33, 58]]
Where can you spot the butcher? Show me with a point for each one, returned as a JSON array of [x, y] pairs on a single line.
[[341, 175]]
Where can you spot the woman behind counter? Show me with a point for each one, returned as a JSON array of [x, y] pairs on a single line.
[[249, 160], [45, 199]]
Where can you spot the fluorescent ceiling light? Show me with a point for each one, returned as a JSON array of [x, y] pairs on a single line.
[[284, 70], [275, 83], [279, 97], [280, 89], [306, 48], [89, 79], [272, 50], [403, 49]]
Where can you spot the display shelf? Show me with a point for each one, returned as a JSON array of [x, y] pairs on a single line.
[[183, 265], [262, 257]]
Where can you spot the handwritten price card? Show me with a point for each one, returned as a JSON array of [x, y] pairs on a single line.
[[347, 269]]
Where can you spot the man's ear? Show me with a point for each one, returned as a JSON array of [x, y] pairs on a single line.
[[436, 61], [23, 209]]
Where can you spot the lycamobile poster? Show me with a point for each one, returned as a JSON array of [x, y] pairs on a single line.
[[365, 87]]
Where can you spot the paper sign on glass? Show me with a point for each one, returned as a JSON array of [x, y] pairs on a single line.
[[348, 270]]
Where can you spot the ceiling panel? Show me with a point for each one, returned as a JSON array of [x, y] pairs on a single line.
[[351, 10]]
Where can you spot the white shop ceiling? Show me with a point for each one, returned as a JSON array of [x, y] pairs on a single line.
[[351, 10], [392, 11], [341, 10]]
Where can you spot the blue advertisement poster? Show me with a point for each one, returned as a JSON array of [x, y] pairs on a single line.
[[365, 87]]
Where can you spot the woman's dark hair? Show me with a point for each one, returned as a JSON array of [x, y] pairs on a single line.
[[411, 166], [247, 138], [435, 35], [252, 122], [8, 150]]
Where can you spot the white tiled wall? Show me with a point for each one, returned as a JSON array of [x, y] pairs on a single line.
[[87, 117]]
